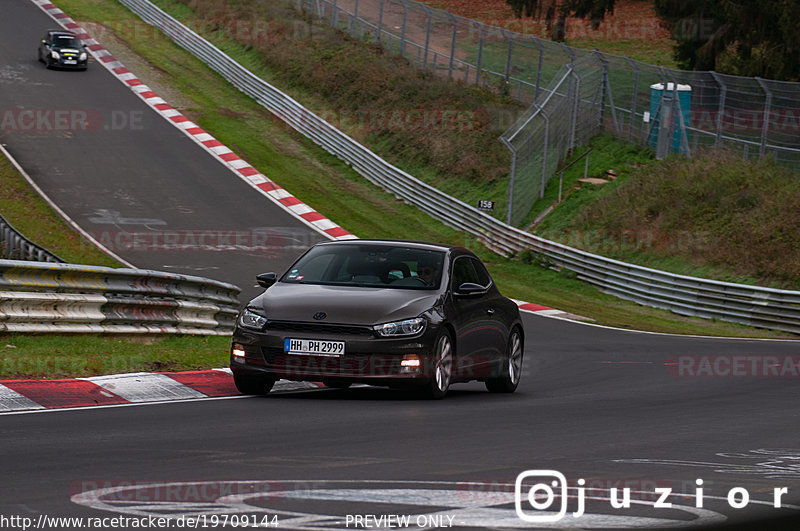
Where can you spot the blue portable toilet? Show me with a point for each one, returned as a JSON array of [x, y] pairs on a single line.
[[658, 114]]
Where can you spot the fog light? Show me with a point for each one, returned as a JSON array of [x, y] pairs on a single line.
[[410, 361], [238, 352]]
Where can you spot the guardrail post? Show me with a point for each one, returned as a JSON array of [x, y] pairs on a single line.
[[765, 119]]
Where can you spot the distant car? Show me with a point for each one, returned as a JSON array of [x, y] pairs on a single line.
[[390, 313], [63, 49]]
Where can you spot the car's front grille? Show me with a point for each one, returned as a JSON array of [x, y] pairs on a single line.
[[318, 328], [347, 365]]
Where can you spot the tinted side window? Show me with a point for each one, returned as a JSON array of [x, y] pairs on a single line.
[[484, 279], [464, 271]]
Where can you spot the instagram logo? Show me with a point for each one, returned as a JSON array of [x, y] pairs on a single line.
[[537, 491]]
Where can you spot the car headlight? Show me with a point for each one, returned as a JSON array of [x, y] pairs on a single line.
[[252, 319], [54, 55], [82, 56], [409, 327]]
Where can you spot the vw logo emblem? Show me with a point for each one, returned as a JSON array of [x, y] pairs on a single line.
[[319, 316]]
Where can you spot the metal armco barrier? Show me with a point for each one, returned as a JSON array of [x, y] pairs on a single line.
[[750, 305], [43, 297], [15, 246]]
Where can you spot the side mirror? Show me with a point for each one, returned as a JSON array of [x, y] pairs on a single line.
[[265, 280], [470, 288]]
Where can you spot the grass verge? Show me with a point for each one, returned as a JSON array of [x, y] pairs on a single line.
[[52, 357], [714, 217]]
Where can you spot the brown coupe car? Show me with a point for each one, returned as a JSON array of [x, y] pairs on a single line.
[[391, 313]]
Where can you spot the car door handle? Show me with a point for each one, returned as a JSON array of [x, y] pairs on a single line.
[[490, 311]]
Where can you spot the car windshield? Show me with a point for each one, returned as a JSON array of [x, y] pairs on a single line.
[[66, 41], [365, 265]]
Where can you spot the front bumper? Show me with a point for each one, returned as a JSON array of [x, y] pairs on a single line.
[[69, 63], [367, 358]]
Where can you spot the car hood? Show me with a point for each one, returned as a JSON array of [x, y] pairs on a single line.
[[343, 304]]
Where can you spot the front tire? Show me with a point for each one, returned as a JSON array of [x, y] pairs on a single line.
[[253, 385], [511, 371], [442, 368]]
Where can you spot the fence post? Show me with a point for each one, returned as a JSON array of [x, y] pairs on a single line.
[[335, 14], [403, 30], [508, 57], [544, 151], [576, 96], [678, 113], [569, 52], [603, 89], [635, 97], [480, 56], [663, 113], [539, 70], [379, 29], [721, 108], [427, 35], [511, 175], [607, 93], [355, 19], [767, 111], [452, 44]]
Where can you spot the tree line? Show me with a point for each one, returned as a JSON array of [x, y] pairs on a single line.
[[742, 37]]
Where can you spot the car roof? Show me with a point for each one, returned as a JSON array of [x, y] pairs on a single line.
[[406, 243]]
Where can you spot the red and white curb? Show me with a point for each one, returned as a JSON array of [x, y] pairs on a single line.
[[544, 311], [120, 389], [222, 153], [143, 387]]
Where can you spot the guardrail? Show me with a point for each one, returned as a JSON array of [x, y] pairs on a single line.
[[43, 297], [751, 305], [15, 246]]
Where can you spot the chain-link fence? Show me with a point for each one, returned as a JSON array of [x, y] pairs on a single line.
[[569, 114], [669, 110]]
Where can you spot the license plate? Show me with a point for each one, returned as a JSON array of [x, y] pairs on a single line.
[[70, 62], [313, 347]]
